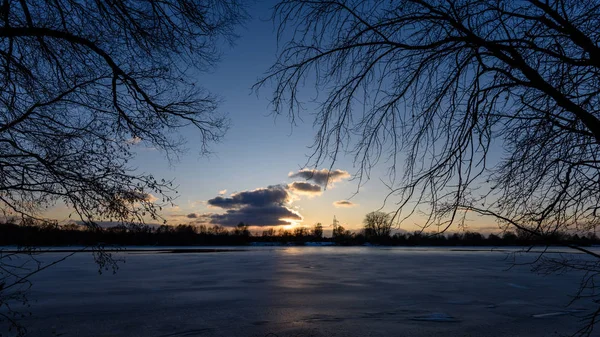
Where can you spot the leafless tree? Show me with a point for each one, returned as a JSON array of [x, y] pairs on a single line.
[[81, 82], [317, 231], [377, 225], [483, 106]]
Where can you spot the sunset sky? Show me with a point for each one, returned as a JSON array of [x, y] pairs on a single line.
[[250, 175]]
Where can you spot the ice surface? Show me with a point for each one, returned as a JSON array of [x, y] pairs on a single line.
[[304, 291], [436, 317], [558, 313], [518, 286]]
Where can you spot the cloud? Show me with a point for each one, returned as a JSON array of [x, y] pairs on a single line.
[[322, 177], [139, 196], [269, 206], [270, 215], [302, 187], [344, 203], [172, 210], [195, 203], [151, 198], [133, 140], [193, 216], [259, 207], [258, 197]]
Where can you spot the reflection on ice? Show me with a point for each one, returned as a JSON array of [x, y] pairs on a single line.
[[304, 291]]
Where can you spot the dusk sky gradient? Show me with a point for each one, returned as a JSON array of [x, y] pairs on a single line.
[[260, 150]]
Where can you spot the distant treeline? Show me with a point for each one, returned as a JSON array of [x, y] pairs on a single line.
[[189, 235]]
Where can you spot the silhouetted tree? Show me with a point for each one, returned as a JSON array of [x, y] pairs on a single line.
[[81, 82], [452, 77], [440, 85], [377, 225], [493, 239], [202, 229], [269, 232], [337, 231], [84, 81], [185, 229], [218, 230], [33, 235], [317, 231], [301, 231], [241, 230], [164, 229], [473, 238]]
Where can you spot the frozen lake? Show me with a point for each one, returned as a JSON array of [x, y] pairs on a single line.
[[304, 291]]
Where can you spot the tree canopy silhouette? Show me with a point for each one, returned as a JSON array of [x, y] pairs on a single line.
[[82, 81], [377, 225], [490, 106], [480, 106]]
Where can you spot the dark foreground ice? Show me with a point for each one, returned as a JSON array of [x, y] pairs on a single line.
[[305, 291]]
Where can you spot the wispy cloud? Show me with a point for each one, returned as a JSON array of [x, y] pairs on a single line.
[[305, 188], [133, 140], [344, 203], [140, 196], [172, 209], [322, 177]]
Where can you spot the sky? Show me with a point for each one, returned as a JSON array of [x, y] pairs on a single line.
[[258, 151], [255, 173]]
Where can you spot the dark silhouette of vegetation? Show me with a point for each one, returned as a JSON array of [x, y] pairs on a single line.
[[81, 82], [377, 226], [318, 231], [435, 83], [491, 106], [201, 235]]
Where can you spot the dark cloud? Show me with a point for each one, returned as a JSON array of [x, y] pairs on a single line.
[[344, 203], [258, 197], [193, 215], [271, 215], [302, 187], [322, 177], [260, 207]]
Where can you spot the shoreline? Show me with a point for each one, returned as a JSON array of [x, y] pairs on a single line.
[[250, 248]]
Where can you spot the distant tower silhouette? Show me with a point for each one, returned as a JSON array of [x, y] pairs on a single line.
[[335, 226]]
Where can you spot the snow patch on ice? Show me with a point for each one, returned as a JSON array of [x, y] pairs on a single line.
[[518, 286], [558, 313]]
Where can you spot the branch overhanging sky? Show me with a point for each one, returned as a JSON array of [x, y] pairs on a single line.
[[257, 173]]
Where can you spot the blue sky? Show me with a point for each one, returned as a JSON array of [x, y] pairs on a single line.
[[258, 151]]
